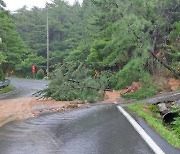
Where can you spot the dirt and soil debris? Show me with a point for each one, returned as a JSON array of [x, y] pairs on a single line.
[[26, 107], [23, 108], [174, 84]]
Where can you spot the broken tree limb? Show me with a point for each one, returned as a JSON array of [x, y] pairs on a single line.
[[85, 87], [166, 66], [72, 80], [89, 87], [153, 53]]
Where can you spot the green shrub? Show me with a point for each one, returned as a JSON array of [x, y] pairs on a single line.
[[176, 123], [132, 71], [176, 127], [40, 74]]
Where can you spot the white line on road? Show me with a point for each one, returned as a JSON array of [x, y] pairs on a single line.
[[142, 132]]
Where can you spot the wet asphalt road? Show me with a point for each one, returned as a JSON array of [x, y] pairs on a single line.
[[96, 130], [100, 129], [24, 87]]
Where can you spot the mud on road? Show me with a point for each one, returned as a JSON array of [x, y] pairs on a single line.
[[21, 104]]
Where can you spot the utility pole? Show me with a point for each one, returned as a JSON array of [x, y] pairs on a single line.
[[47, 69]]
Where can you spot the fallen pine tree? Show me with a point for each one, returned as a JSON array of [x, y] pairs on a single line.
[[75, 81]]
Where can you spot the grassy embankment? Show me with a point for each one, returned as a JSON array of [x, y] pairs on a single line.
[[170, 132], [7, 89]]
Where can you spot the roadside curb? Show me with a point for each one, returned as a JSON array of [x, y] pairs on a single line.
[[7, 120], [171, 96], [141, 132]]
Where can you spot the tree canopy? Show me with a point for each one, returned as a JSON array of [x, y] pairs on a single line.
[[127, 38]]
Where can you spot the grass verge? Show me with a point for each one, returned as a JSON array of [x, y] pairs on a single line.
[[7, 89], [149, 113]]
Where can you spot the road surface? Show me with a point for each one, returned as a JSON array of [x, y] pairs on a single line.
[[99, 129], [24, 88], [95, 130]]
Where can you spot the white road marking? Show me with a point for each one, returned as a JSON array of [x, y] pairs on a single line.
[[142, 132]]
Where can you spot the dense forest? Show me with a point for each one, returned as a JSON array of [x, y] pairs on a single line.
[[94, 46], [12, 48]]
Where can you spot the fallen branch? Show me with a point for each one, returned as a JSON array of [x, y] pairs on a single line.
[[89, 87], [72, 80], [153, 53], [166, 66]]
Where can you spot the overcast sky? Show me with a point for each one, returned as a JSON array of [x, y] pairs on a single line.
[[13, 5]]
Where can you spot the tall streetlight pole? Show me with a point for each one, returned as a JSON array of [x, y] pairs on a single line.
[[47, 69]]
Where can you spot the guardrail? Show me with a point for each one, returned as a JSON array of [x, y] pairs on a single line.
[[4, 83]]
